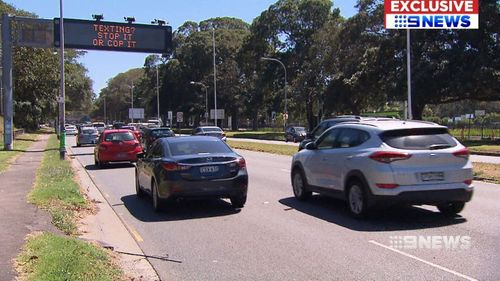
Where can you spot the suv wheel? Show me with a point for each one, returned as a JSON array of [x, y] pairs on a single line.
[[451, 208], [356, 199], [299, 185]]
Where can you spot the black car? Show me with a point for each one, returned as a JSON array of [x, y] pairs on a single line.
[[191, 167], [325, 124], [152, 134], [295, 133]]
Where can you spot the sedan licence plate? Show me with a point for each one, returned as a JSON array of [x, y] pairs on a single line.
[[432, 176], [209, 169]]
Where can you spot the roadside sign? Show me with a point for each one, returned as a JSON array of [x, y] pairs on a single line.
[[113, 36], [480, 112], [220, 114], [180, 117], [31, 32], [136, 113]]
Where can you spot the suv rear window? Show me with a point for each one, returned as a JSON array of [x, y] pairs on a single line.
[[419, 139]]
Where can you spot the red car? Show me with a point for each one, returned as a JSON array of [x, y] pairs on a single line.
[[136, 132], [119, 145]]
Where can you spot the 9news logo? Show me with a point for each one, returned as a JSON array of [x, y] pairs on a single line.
[[431, 14]]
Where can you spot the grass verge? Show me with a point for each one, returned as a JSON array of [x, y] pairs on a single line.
[[51, 257], [20, 145], [482, 171], [280, 149], [56, 191], [47, 256], [487, 172]]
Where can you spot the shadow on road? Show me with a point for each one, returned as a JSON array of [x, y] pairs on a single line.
[[80, 154], [92, 167], [390, 219], [142, 209]]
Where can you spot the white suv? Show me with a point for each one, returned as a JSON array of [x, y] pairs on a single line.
[[387, 162]]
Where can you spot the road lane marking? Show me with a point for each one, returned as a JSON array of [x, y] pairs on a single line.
[[285, 170], [134, 232], [422, 260]]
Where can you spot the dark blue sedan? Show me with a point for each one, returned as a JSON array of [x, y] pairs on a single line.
[[191, 167]]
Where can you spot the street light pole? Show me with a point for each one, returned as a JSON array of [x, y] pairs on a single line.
[[286, 99], [132, 102], [157, 94], [215, 78], [408, 66], [105, 119]]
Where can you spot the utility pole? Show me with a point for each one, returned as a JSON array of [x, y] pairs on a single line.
[[62, 109]]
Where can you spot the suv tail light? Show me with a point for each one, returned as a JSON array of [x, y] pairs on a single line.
[[387, 185], [468, 182], [462, 153], [389, 156], [171, 167]]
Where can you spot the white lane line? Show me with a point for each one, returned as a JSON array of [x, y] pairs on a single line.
[[285, 170], [424, 261]]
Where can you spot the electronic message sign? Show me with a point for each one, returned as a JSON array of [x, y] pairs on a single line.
[[114, 36]]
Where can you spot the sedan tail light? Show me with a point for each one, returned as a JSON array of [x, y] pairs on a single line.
[[462, 153], [171, 167], [468, 182], [242, 163], [389, 156]]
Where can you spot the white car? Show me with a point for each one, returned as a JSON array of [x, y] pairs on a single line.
[[386, 162], [71, 130]]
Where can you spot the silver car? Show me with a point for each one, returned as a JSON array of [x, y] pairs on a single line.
[[87, 135], [386, 162]]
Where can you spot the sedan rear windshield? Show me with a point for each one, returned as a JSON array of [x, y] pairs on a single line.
[[125, 136], [158, 133], [198, 147], [419, 139], [89, 131], [212, 130]]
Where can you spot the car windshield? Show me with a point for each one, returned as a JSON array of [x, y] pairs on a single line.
[[122, 136], [300, 129], [89, 131], [212, 130], [198, 147], [159, 133], [419, 139]]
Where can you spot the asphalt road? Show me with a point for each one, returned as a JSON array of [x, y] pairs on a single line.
[[275, 237]]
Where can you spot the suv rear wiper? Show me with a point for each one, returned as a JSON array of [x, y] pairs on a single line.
[[439, 146]]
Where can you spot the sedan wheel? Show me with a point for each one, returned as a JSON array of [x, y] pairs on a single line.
[[138, 191], [156, 200], [299, 186], [238, 202], [357, 200]]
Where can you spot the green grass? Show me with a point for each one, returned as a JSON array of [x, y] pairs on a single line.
[[51, 257], [280, 149], [20, 144], [56, 191], [483, 146], [260, 135], [487, 172]]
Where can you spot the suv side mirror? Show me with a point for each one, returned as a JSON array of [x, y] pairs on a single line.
[[311, 146]]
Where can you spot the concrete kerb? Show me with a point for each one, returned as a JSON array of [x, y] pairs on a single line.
[[108, 229]]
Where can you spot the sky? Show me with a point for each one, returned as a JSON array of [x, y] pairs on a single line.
[[104, 65]]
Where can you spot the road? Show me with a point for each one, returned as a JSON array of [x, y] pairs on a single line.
[[474, 158], [275, 237]]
